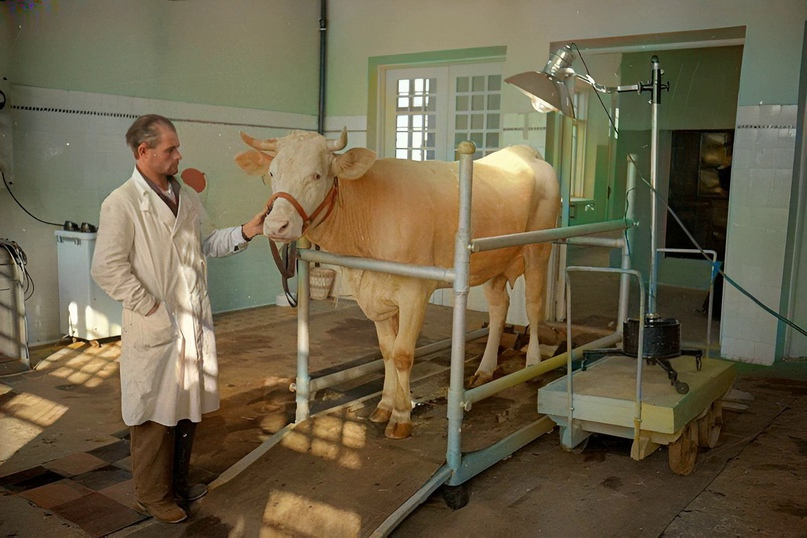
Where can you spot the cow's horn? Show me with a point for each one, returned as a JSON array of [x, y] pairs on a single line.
[[268, 145], [336, 145]]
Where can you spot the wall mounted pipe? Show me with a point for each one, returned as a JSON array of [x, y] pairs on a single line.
[[323, 63], [630, 234]]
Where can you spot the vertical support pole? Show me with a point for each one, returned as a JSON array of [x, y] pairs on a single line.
[[654, 105], [303, 381], [630, 213], [462, 263]]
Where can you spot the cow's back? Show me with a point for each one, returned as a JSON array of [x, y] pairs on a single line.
[[407, 211]]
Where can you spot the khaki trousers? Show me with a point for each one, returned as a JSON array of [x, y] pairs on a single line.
[[160, 459]]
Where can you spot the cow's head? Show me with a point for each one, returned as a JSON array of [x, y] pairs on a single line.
[[303, 169]]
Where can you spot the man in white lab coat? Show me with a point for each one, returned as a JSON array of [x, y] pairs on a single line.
[[150, 255]]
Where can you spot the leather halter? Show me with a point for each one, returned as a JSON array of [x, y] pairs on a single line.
[[328, 202], [287, 262]]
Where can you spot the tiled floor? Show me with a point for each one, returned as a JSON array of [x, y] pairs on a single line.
[[93, 490]]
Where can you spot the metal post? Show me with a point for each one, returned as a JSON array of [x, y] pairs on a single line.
[[302, 383], [654, 106], [462, 264], [624, 279]]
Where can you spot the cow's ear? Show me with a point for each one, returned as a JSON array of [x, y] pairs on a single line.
[[353, 163], [254, 162]]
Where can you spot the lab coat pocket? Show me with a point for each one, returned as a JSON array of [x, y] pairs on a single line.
[[156, 330]]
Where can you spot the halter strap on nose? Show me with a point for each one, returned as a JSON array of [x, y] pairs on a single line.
[[329, 200]]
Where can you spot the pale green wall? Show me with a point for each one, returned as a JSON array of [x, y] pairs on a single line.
[[260, 54], [770, 69]]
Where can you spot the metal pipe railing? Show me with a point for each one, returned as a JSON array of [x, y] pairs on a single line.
[[544, 236]]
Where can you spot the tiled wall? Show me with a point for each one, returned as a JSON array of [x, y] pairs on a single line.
[[761, 181], [70, 153]]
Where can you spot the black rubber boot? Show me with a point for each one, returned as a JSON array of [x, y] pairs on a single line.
[[183, 444]]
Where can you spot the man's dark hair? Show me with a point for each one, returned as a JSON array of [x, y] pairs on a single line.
[[145, 129]]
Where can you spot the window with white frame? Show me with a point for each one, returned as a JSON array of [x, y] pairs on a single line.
[[428, 111]]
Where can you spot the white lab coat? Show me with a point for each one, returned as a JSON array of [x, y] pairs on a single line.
[[143, 254]]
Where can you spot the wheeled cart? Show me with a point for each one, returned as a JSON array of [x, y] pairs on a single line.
[[603, 400]]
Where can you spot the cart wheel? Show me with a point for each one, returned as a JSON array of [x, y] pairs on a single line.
[[715, 424], [681, 387], [684, 451]]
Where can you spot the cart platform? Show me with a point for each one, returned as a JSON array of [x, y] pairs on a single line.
[[605, 402]]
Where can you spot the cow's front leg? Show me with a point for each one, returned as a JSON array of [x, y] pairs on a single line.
[[498, 303], [386, 330], [412, 314]]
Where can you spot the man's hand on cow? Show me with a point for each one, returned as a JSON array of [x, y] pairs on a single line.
[[254, 226]]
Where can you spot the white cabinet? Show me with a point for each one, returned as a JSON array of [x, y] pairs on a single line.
[[85, 310]]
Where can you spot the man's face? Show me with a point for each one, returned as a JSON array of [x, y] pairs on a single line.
[[163, 159]]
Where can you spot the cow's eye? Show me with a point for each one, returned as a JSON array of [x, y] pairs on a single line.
[[317, 176]]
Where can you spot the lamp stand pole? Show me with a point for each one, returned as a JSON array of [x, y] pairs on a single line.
[[655, 86]]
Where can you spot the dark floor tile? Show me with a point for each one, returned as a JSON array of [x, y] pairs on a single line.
[[97, 514], [75, 464], [123, 434], [29, 479], [56, 493], [103, 478], [112, 452]]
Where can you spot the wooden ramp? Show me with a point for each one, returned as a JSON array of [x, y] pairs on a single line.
[[336, 475]]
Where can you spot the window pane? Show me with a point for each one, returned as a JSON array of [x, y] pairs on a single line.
[[478, 102], [430, 140], [479, 84], [417, 155], [476, 138], [460, 137], [403, 154], [403, 103], [431, 104], [417, 122], [494, 83], [462, 85], [417, 139], [477, 121], [494, 101], [462, 102], [492, 140], [419, 82], [461, 122], [403, 86], [493, 122], [417, 103], [402, 140], [402, 122]]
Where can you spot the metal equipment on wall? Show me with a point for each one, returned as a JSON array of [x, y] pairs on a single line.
[[85, 311], [13, 325]]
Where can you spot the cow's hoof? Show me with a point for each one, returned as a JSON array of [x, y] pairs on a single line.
[[400, 430], [380, 415], [479, 379]]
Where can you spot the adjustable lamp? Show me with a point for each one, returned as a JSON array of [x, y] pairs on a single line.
[[551, 90]]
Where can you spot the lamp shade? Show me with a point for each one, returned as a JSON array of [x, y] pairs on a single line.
[[546, 93]]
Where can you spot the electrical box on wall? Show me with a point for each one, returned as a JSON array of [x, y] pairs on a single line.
[[85, 310]]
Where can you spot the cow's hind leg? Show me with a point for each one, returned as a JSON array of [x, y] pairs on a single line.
[[535, 285], [498, 303], [387, 330]]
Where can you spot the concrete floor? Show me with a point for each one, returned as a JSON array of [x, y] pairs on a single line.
[[61, 415]]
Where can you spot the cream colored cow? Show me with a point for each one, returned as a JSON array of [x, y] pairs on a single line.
[[406, 211]]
